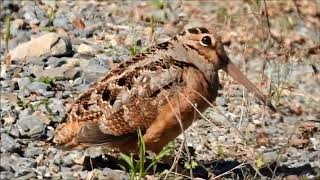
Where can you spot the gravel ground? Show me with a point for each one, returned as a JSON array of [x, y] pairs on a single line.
[[58, 48]]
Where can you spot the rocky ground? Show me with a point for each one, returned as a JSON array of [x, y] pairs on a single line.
[[53, 50]]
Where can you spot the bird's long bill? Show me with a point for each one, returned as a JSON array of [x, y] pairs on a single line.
[[235, 73]]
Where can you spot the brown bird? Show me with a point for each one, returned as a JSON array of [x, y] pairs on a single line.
[[153, 92]]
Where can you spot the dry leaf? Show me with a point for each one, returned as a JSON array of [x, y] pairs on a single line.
[[299, 142], [262, 139], [309, 126], [78, 23], [296, 109]]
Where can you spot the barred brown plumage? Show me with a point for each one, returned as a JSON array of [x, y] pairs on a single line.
[[148, 91]]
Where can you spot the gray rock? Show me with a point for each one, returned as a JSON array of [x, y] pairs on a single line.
[[271, 130], [221, 101], [94, 152], [8, 144], [30, 125], [14, 132], [222, 139], [41, 170], [6, 175], [83, 174], [25, 112], [37, 61], [55, 73], [50, 44], [53, 168], [48, 94], [24, 82], [68, 160], [49, 3], [20, 165], [38, 87], [55, 61], [31, 17], [67, 175], [74, 73], [24, 173], [271, 156], [108, 173], [60, 22], [32, 151], [86, 32], [56, 106], [21, 37], [36, 131], [8, 116], [257, 121], [16, 25], [93, 71], [86, 49], [81, 87], [8, 98], [6, 162], [42, 117], [44, 22]]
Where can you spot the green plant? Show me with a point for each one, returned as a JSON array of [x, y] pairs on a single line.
[[35, 105], [22, 103], [220, 153], [137, 166], [44, 102], [280, 84], [258, 3], [7, 35], [153, 25], [191, 165], [254, 2], [160, 4], [134, 50], [259, 161], [51, 16], [47, 80]]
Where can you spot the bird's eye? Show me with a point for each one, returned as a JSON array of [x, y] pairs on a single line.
[[205, 41]]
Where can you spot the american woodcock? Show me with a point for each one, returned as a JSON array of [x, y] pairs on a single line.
[[170, 82]]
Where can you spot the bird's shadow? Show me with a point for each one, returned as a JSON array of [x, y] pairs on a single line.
[[206, 169]]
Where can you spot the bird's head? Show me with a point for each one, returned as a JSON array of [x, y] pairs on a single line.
[[203, 48]]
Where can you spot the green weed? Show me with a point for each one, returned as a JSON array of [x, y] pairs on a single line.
[[134, 50], [46, 80], [220, 153], [191, 165], [260, 161], [35, 106], [160, 4], [137, 169], [7, 35], [51, 16]]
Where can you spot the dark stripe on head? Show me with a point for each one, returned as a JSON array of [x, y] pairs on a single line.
[[203, 30], [191, 47], [195, 49], [193, 31]]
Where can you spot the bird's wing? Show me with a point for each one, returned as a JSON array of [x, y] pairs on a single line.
[[122, 111]]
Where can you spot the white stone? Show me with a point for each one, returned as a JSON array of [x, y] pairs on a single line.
[[86, 49], [50, 44]]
